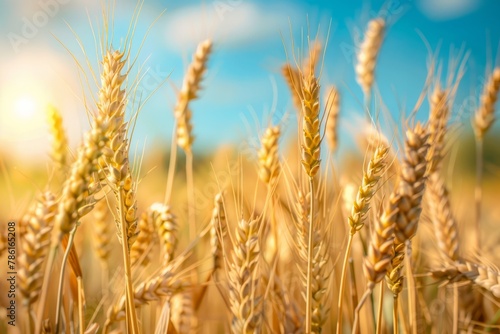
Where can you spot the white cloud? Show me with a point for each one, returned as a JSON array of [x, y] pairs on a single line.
[[230, 23], [447, 9]]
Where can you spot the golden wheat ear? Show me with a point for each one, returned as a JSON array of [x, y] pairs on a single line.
[[269, 164], [218, 230], [189, 92], [165, 284], [311, 139], [485, 114], [294, 82], [332, 109], [59, 139], [367, 55], [35, 247], [243, 279]]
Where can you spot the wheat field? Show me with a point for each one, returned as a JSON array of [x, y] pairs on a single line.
[[293, 236]]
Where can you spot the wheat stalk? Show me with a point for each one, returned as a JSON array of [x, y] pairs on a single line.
[[377, 261], [444, 223], [483, 120], [359, 210], [320, 259], [116, 166]]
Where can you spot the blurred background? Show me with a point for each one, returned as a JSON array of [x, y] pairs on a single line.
[[50, 51], [41, 44]]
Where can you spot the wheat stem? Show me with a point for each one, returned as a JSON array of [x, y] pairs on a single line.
[[360, 305], [171, 166], [380, 309], [309, 258], [45, 288], [395, 314], [80, 305], [61, 277], [455, 308], [478, 193], [190, 195], [342, 284], [129, 288]]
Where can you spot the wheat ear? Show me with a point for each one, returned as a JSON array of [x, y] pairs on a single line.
[[485, 114], [332, 109], [163, 285], [293, 80], [102, 232], [183, 315], [166, 225], [445, 225], [311, 143], [77, 198], [189, 91], [438, 119], [244, 297], [269, 170], [140, 252], [269, 164], [359, 210], [311, 139], [377, 262], [59, 139], [311, 61], [442, 218], [218, 230], [35, 246], [486, 276], [47, 327], [368, 52], [116, 166], [410, 190]]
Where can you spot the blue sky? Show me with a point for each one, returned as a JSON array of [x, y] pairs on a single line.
[[243, 81]]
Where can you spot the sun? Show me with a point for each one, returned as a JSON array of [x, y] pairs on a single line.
[[25, 107]]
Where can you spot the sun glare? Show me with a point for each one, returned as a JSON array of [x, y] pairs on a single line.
[[25, 107]]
